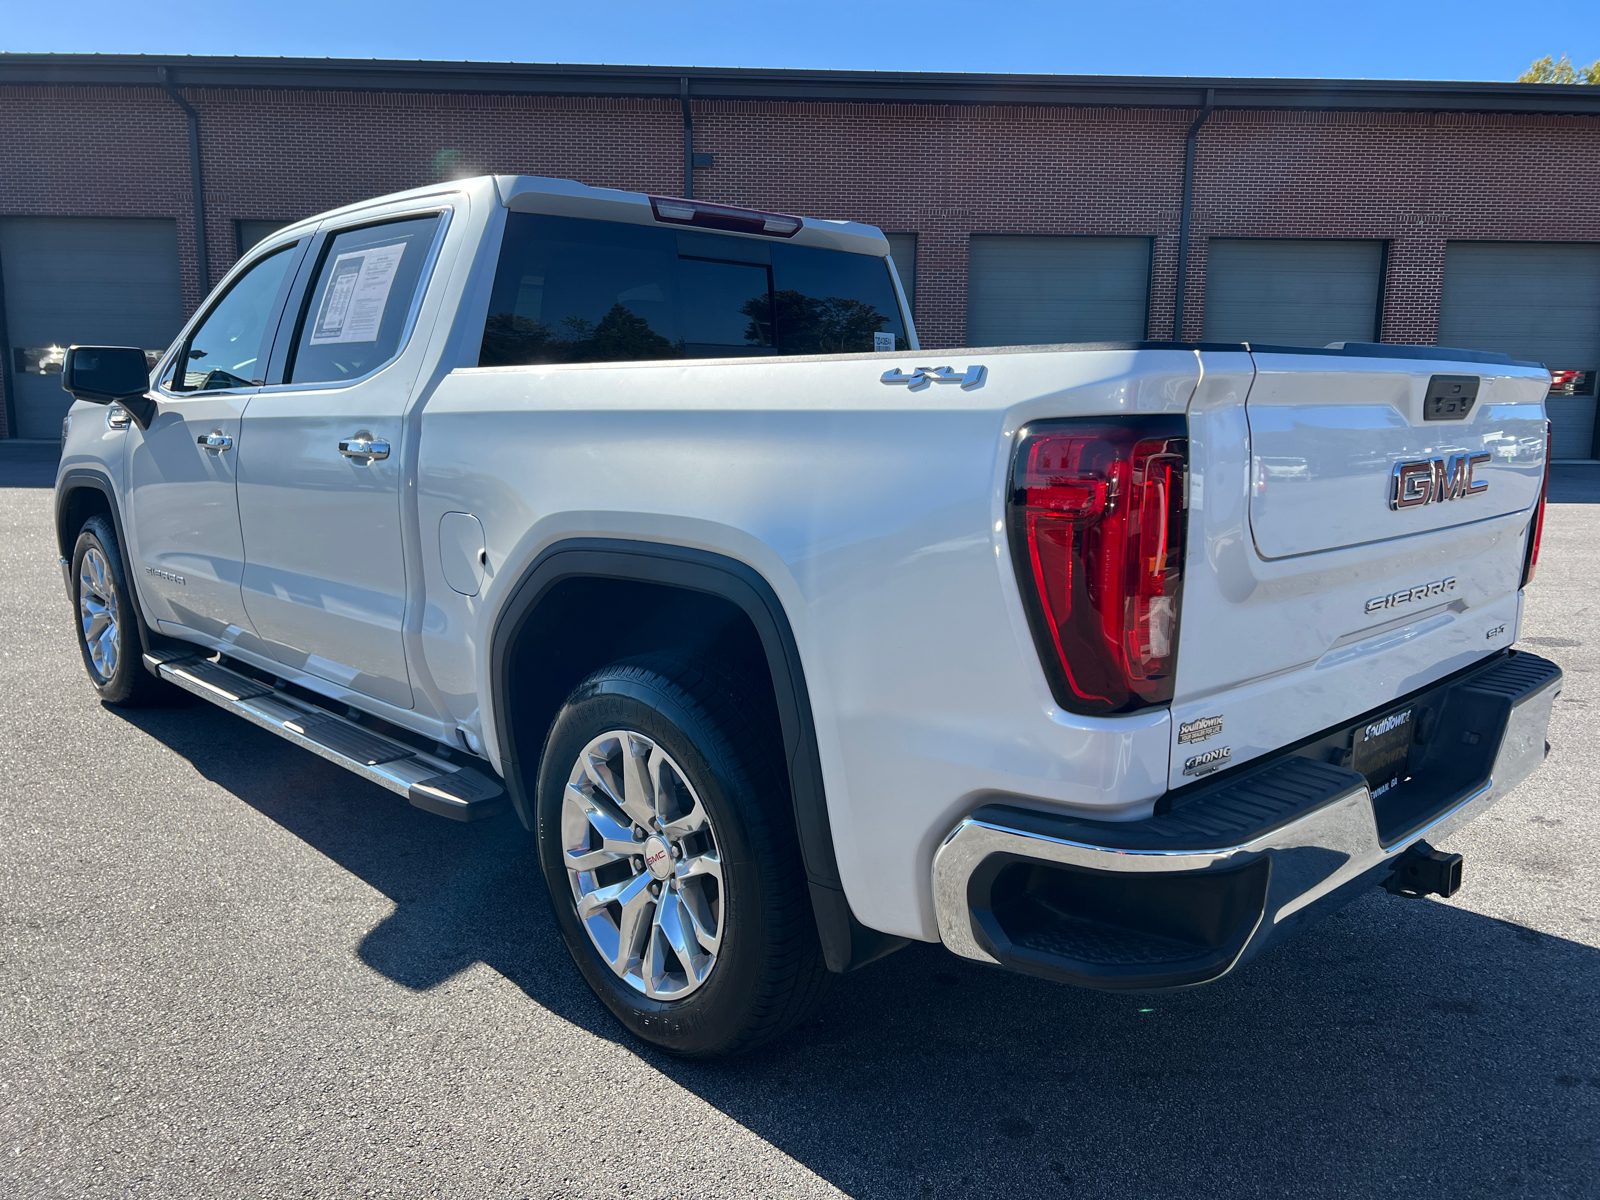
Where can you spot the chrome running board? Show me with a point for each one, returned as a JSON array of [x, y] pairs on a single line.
[[428, 782]]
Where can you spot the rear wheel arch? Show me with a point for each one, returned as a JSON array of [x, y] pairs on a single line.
[[559, 624]]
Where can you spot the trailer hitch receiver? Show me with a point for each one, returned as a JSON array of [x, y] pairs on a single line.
[[1424, 871]]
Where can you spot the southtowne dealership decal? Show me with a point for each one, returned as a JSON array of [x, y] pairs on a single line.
[[1200, 729]]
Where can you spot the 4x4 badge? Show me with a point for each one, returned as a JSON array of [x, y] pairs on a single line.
[[921, 377]]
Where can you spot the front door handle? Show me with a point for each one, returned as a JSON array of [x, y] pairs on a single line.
[[364, 447], [215, 442]]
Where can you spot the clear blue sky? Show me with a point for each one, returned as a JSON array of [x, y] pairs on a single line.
[[1463, 39]]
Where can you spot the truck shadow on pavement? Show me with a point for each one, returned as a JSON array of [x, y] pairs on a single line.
[[1400, 1048]]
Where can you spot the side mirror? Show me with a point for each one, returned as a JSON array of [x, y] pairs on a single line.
[[110, 375]]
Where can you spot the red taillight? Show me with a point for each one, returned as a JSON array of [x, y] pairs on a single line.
[[1530, 561], [1097, 535], [724, 216]]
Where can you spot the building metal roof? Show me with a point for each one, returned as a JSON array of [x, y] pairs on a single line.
[[738, 83]]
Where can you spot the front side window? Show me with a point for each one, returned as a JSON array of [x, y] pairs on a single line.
[[230, 347], [575, 290], [356, 313]]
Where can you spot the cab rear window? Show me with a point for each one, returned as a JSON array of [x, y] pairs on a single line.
[[574, 290]]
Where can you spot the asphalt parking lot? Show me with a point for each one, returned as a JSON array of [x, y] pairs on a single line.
[[228, 969]]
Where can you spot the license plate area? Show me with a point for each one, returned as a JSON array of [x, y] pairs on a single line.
[[1380, 749]]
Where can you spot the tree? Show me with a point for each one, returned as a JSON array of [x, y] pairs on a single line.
[[808, 325], [620, 335], [510, 340], [1552, 70]]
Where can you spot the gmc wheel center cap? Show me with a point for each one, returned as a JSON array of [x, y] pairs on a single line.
[[658, 858]]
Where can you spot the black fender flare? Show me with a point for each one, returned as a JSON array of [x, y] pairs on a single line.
[[76, 479], [846, 942]]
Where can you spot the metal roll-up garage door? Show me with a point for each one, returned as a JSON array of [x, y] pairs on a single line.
[[903, 249], [248, 233], [1293, 291], [1533, 300], [1028, 291], [83, 280]]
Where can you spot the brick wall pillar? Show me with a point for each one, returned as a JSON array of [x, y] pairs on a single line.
[[1163, 285], [1412, 287], [942, 285]]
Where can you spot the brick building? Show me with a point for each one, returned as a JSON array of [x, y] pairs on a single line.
[[1022, 208]]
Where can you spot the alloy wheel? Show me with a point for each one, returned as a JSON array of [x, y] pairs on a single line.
[[97, 613], [644, 865]]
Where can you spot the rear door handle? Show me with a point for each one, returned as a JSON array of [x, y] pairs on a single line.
[[364, 447], [215, 442]]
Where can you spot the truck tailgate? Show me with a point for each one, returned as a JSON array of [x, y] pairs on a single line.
[[1328, 434], [1313, 591]]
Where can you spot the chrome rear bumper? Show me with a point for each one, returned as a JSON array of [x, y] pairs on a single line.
[[1247, 861]]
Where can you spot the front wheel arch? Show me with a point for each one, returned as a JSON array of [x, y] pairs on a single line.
[[80, 495]]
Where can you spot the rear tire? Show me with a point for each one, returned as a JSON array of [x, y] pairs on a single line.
[[107, 621], [667, 842]]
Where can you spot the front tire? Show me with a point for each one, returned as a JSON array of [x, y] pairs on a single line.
[[667, 844], [107, 621]]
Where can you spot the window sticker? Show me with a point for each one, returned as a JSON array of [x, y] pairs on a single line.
[[357, 294], [882, 342]]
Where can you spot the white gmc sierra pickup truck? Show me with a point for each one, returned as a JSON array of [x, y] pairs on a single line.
[[789, 642]]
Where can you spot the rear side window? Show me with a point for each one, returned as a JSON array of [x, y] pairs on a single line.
[[573, 290], [355, 314], [831, 302]]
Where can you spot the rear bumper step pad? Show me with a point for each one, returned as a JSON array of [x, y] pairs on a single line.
[[428, 782]]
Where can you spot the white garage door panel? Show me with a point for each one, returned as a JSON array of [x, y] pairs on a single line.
[[1532, 300], [1028, 291], [83, 280], [1292, 291]]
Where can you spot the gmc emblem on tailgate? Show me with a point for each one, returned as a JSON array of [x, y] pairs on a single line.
[[1431, 481]]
